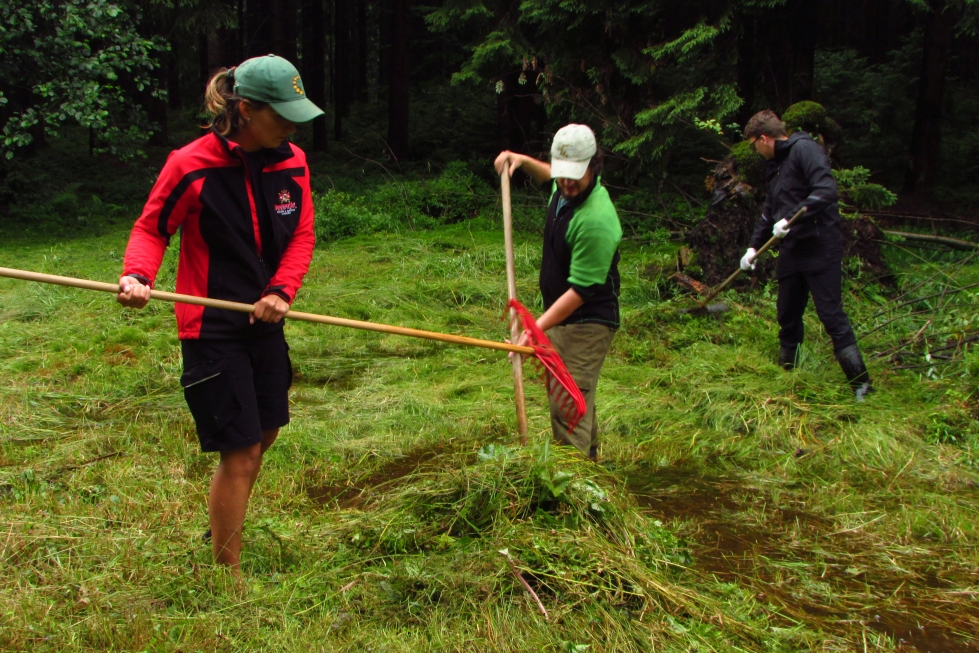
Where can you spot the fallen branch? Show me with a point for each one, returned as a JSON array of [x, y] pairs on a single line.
[[897, 351], [921, 299], [516, 572], [957, 343], [84, 463], [924, 218], [893, 319], [884, 241], [932, 364], [688, 282], [960, 265], [954, 243]]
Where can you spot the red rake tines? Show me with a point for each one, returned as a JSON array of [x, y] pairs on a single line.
[[561, 386]]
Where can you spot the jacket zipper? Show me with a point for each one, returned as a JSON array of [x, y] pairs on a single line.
[[253, 208]]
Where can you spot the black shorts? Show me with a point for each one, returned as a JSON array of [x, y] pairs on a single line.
[[236, 389]]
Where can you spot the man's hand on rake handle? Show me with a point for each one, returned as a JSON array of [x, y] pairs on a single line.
[[522, 341]]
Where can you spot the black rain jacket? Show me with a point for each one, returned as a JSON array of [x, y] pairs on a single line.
[[800, 176]]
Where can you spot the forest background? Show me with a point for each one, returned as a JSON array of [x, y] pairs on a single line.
[[413, 86]]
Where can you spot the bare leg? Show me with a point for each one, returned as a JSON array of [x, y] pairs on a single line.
[[228, 500], [268, 437]]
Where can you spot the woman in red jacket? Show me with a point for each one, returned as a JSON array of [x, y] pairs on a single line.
[[240, 197]]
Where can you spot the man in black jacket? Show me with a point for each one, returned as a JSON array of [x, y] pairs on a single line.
[[811, 256]]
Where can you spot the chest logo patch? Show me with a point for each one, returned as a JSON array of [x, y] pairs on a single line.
[[285, 206]]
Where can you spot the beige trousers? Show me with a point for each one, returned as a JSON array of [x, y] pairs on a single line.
[[583, 348]]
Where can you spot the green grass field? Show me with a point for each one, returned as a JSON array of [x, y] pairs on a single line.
[[737, 507]]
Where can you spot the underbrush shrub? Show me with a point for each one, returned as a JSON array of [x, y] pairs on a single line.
[[455, 195], [339, 215]]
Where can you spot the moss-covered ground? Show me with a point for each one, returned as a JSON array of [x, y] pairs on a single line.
[[736, 507]]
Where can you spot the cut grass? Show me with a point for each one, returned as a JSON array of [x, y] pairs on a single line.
[[738, 507]]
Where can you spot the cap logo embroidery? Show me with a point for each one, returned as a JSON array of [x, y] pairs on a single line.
[[564, 151], [295, 85]]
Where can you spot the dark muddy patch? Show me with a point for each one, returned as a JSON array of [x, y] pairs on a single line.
[[355, 493], [806, 567]]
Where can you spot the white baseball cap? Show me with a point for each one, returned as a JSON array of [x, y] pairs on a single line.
[[572, 150]]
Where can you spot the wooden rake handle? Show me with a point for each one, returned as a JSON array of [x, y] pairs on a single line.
[[764, 248], [248, 308], [511, 283]]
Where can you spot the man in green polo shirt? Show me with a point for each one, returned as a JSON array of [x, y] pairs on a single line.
[[579, 276]]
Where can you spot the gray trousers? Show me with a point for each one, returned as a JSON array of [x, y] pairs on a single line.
[[583, 348]]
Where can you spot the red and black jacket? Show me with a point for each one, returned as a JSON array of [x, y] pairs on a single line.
[[205, 191]]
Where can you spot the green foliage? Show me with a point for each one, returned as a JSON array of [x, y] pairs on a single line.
[[595, 62], [456, 194], [61, 191], [338, 215], [806, 115], [874, 105], [857, 191], [812, 118], [74, 62], [749, 164]]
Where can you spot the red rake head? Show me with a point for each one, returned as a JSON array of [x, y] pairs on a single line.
[[561, 386]]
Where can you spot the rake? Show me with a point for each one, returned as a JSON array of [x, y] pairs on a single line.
[[560, 385]]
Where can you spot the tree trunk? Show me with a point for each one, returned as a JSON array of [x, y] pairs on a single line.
[[285, 30], [926, 136], [240, 12], [747, 67], [876, 42], [156, 107], [203, 70], [313, 65], [174, 98], [259, 34], [802, 47], [787, 38], [386, 20], [341, 66], [519, 114], [399, 85], [360, 79]]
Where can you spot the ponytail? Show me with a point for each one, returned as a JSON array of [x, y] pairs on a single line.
[[221, 102]]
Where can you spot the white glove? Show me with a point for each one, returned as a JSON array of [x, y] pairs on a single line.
[[746, 262], [781, 228]]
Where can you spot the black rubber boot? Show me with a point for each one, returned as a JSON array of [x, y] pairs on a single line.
[[786, 357], [856, 372]]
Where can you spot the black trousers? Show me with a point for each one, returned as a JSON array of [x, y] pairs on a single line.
[[823, 280]]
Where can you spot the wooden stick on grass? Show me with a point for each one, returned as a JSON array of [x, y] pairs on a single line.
[[523, 581]]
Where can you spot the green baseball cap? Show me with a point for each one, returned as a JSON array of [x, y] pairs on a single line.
[[275, 81]]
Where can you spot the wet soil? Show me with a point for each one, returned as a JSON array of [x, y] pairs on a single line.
[[355, 493], [805, 567], [720, 239]]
